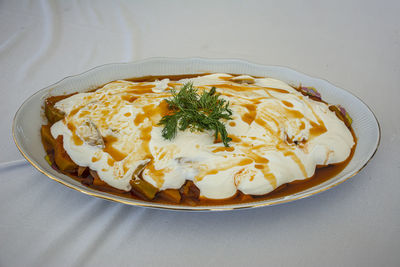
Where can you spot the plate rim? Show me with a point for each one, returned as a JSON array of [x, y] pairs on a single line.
[[147, 204]]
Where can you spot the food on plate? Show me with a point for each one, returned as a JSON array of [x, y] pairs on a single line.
[[197, 139]]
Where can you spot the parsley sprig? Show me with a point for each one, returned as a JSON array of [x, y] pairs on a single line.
[[197, 112]]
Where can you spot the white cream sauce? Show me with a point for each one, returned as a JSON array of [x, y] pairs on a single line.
[[278, 135]]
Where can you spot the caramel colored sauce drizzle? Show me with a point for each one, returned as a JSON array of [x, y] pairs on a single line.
[[145, 136], [157, 175], [263, 162], [235, 138], [251, 114], [140, 118], [75, 138], [287, 103], [113, 152], [129, 98], [282, 91], [249, 149], [154, 113], [229, 149], [110, 162], [317, 129], [302, 125], [295, 114], [239, 162], [140, 89], [296, 159]]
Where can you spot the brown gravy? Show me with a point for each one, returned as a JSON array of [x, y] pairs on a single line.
[[322, 174]]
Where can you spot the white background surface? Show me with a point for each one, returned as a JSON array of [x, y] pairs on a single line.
[[355, 45]]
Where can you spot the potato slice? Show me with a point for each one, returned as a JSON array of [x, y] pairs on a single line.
[[61, 158], [47, 139], [171, 195]]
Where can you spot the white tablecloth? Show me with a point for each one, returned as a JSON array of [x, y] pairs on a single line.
[[353, 44]]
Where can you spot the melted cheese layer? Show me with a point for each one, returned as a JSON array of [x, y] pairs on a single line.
[[278, 135]]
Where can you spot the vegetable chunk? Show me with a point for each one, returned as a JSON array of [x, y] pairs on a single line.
[[171, 195], [47, 139], [143, 189], [61, 158]]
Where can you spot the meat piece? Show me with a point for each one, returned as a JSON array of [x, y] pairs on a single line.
[[53, 114], [190, 190]]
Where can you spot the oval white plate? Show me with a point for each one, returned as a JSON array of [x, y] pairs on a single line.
[[29, 118]]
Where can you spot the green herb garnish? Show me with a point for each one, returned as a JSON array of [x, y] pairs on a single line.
[[198, 112]]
